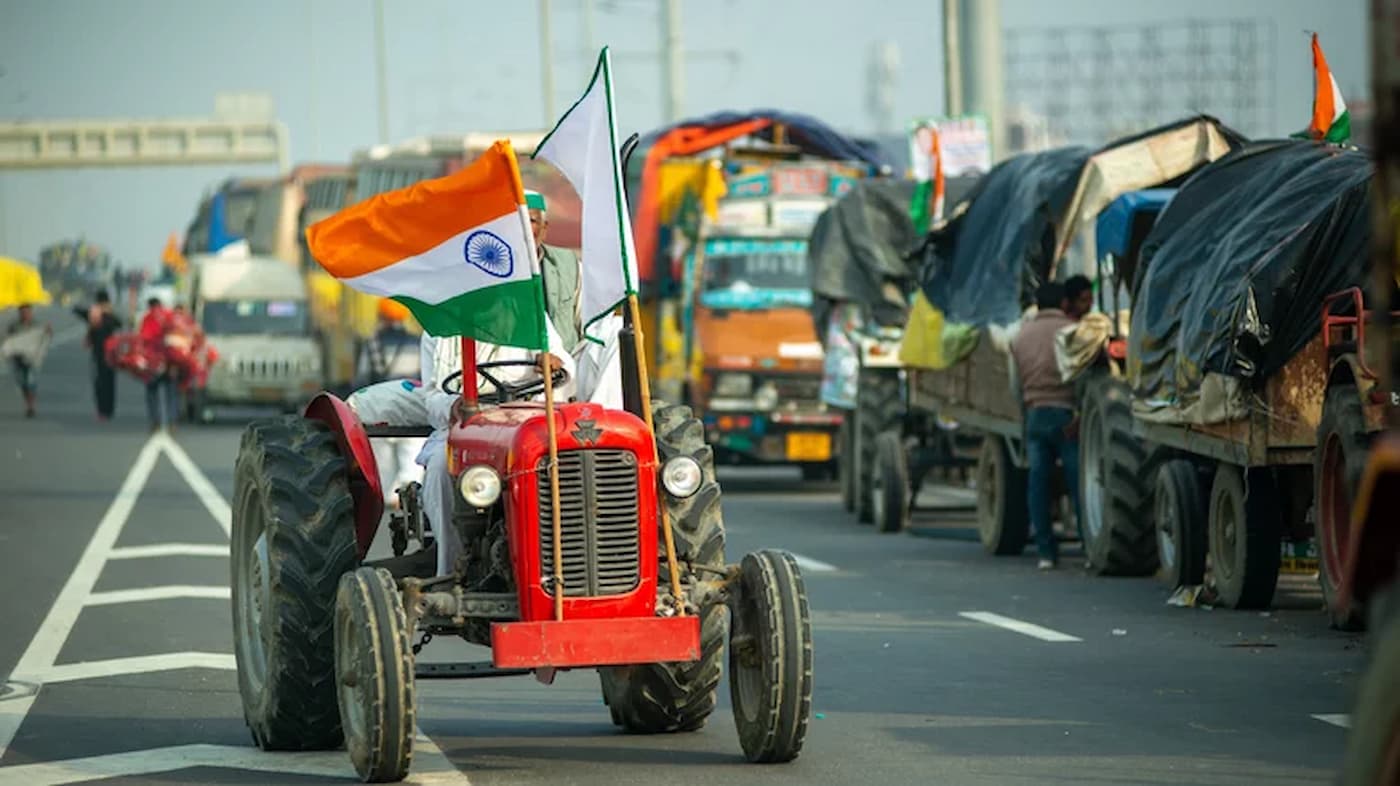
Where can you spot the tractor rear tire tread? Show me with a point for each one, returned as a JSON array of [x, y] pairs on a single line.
[[1343, 415], [879, 408], [1126, 545], [292, 468]]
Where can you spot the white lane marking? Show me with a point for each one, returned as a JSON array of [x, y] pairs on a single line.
[[213, 501], [1337, 719], [139, 664], [1025, 628], [812, 565], [169, 550], [43, 649], [430, 766], [165, 592]]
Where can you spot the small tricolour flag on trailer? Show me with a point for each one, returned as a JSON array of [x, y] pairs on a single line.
[[456, 250], [926, 153], [584, 147], [1330, 119]]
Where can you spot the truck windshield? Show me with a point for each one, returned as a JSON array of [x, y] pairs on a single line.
[[755, 273], [254, 317]]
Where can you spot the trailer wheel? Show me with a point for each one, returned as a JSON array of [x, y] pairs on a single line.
[[1119, 538], [890, 484], [293, 538], [770, 658], [667, 697], [1338, 462], [1002, 518], [879, 408], [374, 675], [845, 463], [1181, 509], [1245, 536], [1373, 744]]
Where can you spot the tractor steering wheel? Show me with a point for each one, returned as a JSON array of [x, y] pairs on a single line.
[[503, 391]]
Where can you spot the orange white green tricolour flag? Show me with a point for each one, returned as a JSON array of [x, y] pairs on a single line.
[[456, 250], [1330, 120]]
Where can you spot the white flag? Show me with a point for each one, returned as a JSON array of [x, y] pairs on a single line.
[[584, 147]]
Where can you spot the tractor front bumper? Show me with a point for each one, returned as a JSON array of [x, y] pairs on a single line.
[[616, 641]]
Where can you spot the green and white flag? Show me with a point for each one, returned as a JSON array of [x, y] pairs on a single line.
[[584, 147]]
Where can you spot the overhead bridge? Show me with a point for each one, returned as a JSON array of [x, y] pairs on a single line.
[[51, 144]]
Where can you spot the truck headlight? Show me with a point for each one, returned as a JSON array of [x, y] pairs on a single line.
[[766, 398], [681, 476], [733, 385], [480, 486]]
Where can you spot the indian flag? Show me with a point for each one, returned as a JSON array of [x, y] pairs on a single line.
[[1330, 121], [584, 147], [457, 251], [926, 153]]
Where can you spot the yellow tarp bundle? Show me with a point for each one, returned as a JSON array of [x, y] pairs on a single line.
[[20, 284], [931, 343]]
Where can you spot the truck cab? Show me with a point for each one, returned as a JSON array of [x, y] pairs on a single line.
[[254, 312]]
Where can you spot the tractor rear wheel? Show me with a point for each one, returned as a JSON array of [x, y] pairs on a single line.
[[879, 408], [293, 538], [1338, 462], [667, 697], [770, 658], [374, 672], [1002, 516], [1119, 538]]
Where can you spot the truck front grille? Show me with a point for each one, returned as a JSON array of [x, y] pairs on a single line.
[[598, 522], [263, 369]]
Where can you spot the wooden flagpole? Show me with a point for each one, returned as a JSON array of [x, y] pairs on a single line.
[[670, 540]]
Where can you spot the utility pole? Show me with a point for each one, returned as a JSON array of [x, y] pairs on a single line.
[[546, 65], [973, 64], [672, 73], [952, 60], [380, 75]]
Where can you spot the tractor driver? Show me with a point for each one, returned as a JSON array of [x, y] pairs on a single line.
[[440, 358]]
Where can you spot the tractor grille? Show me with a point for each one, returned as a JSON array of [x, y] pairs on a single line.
[[598, 522]]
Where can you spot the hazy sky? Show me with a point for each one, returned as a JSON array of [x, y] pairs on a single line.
[[468, 65]]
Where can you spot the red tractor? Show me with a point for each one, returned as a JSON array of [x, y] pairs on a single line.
[[323, 632]]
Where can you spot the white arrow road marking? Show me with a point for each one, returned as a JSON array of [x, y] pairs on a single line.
[[156, 593], [1025, 628], [139, 664], [169, 550], [1340, 719], [214, 502]]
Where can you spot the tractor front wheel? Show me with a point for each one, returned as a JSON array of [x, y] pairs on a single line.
[[770, 658], [374, 675], [667, 697], [293, 537]]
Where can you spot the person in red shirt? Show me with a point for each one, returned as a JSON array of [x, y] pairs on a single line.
[[161, 406]]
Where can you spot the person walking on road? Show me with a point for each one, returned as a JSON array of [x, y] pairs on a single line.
[[25, 344], [1052, 426], [161, 406], [102, 323]]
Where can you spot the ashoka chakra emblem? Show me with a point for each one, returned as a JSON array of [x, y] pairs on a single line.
[[489, 252]]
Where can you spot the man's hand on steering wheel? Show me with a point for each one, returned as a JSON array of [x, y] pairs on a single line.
[[555, 364]]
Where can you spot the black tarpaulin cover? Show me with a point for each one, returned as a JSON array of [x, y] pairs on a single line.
[[1233, 274], [859, 249], [976, 266]]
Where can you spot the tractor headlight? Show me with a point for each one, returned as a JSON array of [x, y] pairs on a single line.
[[480, 486], [733, 385], [681, 476], [766, 398]]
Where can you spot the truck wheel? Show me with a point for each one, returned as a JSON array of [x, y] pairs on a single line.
[[1245, 536], [1373, 744], [1119, 538], [846, 470], [879, 408], [1002, 518], [667, 697], [1180, 510], [374, 675], [293, 537], [770, 658], [1338, 462], [889, 493]]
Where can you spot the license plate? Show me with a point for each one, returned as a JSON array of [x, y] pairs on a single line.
[[808, 446]]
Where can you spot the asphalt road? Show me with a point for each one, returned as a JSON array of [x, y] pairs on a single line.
[[934, 663]]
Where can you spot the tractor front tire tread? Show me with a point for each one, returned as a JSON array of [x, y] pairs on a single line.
[[772, 581], [368, 602]]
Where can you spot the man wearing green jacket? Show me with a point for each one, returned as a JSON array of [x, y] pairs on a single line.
[[561, 273]]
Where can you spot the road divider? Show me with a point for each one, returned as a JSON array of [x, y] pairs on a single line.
[[1018, 626]]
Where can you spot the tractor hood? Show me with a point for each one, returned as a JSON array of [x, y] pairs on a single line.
[[775, 338]]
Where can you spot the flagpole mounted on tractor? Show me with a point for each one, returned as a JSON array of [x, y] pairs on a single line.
[[584, 147]]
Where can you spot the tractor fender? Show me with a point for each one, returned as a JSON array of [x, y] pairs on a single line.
[[1375, 542], [360, 466]]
